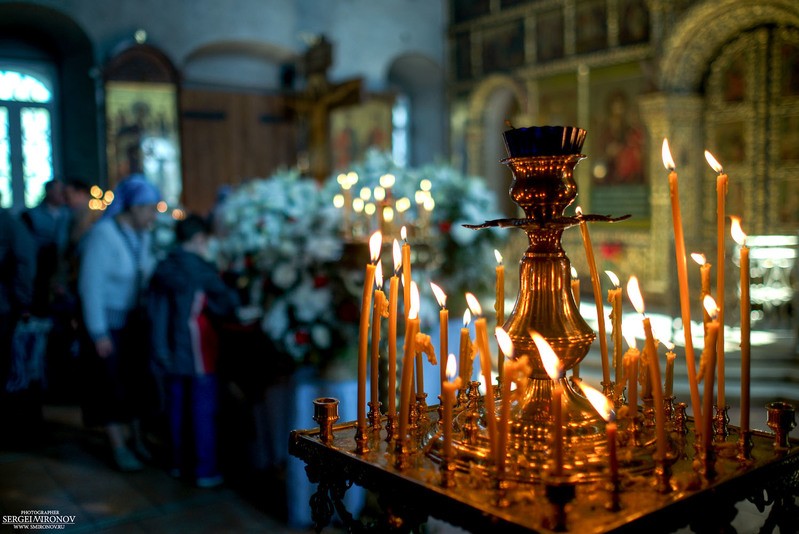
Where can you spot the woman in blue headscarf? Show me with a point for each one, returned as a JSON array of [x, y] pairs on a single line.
[[114, 268]]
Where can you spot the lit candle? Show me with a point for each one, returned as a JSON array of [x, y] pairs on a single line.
[[368, 286], [670, 357], [481, 339], [710, 361], [704, 274], [406, 273], [605, 410], [682, 275], [379, 310], [393, 295], [631, 359], [465, 349], [554, 369], [614, 298], [499, 307], [443, 321], [721, 195], [448, 389], [653, 364], [589, 253], [506, 347], [409, 353], [575, 283], [740, 237]]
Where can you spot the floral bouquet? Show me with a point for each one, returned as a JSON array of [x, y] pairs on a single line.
[[281, 238]]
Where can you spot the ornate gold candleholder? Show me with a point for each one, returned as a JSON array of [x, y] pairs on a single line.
[[542, 161]]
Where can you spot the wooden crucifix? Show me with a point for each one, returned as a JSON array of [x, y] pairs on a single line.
[[314, 105]]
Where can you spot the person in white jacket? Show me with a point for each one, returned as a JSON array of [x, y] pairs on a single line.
[[114, 269]]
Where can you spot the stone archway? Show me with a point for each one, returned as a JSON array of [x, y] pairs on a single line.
[[497, 99], [677, 113]]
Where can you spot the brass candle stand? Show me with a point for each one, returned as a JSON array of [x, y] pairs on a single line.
[[468, 487]]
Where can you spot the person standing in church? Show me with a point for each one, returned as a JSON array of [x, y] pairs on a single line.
[[17, 270], [187, 302], [48, 222], [115, 267]]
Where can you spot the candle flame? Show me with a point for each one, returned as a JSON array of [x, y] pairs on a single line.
[[634, 292], [374, 245], [441, 297], [737, 232], [710, 306], [698, 258], [467, 318], [630, 339], [613, 278], [669, 345], [498, 256], [551, 362], [504, 342], [579, 211], [379, 274], [452, 367], [404, 234], [474, 305], [397, 253], [413, 311], [713, 162], [668, 162], [574, 273], [600, 402]]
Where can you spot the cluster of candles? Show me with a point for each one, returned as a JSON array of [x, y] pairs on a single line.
[[377, 208], [513, 372]]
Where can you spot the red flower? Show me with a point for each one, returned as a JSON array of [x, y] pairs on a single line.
[[302, 337], [444, 226], [320, 280], [610, 251]]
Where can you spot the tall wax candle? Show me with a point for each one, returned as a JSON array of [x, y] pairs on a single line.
[[481, 338], [575, 285], [704, 276], [554, 369], [368, 286], [406, 272], [631, 363], [614, 298], [682, 275], [409, 353], [710, 361], [448, 389], [600, 309], [670, 357], [657, 395], [740, 237], [506, 346], [465, 350], [499, 307], [650, 347], [605, 410], [377, 313], [393, 295], [721, 196], [443, 322]]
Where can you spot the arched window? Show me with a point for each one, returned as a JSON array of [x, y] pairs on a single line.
[[27, 111]]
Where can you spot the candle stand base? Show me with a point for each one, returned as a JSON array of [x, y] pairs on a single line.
[[391, 427], [559, 492], [680, 418], [745, 446], [361, 441], [409, 477]]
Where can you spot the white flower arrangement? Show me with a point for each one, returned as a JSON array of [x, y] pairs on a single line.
[[284, 236]]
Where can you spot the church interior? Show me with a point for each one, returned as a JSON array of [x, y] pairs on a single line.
[[304, 131]]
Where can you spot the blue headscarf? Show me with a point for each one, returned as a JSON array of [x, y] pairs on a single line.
[[135, 190]]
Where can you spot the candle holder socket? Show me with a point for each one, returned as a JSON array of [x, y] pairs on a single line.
[[781, 420], [374, 416], [745, 446], [681, 418], [325, 413], [720, 423], [559, 491]]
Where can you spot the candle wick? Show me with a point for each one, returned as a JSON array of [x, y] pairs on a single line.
[[508, 123]]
